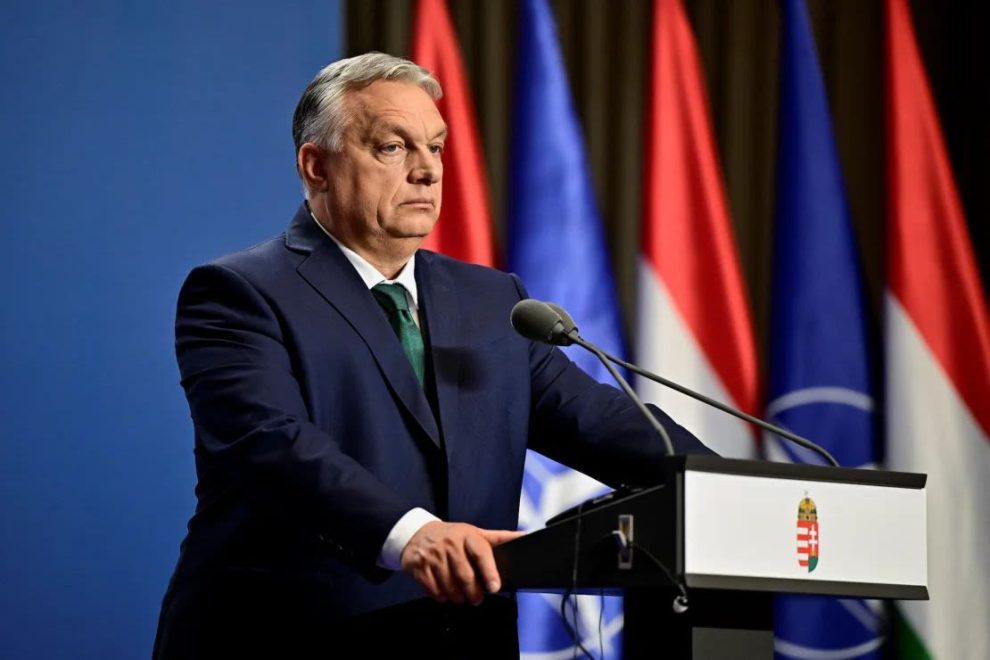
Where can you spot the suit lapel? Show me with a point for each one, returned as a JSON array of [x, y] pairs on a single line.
[[439, 306], [327, 270]]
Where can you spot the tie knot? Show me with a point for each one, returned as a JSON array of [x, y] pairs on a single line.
[[391, 296]]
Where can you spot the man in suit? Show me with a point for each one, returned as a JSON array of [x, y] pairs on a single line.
[[362, 408]]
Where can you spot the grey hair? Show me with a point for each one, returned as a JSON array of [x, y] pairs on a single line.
[[320, 115]]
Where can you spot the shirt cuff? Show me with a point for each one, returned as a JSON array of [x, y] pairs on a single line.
[[407, 526]]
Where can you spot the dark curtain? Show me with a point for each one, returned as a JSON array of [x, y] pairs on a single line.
[[605, 45]]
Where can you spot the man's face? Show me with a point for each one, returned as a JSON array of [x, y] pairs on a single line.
[[385, 182]]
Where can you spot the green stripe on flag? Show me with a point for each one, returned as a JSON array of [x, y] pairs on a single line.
[[907, 642]]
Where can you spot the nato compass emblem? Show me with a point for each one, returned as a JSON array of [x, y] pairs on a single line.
[[808, 535]]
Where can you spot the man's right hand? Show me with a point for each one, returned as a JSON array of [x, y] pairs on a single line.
[[453, 560]]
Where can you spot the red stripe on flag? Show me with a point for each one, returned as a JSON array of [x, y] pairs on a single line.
[[930, 267], [687, 237], [464, 228]]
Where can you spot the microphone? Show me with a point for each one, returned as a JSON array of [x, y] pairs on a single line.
[[564, 332], [536, 320], [540, 321]]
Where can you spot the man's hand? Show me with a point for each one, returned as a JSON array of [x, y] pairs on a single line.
[[453, 560]]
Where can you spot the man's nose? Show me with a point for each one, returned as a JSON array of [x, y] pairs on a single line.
[[426, 168]]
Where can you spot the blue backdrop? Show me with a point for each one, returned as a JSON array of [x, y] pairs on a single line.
[[136, 140]]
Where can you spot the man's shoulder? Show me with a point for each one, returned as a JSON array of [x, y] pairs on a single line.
[[258, 256], [267, 267], [279, 250]]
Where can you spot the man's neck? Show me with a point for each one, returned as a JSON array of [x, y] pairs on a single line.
[[388, 255], [386, 260]]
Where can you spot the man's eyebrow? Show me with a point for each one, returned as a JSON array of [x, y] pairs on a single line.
[[386, 127]]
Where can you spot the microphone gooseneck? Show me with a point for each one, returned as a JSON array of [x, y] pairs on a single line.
[[624, 384], [559, 329], [766, 426], [540, 321]]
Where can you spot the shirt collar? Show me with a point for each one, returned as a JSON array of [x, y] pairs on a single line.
[[370, 275]]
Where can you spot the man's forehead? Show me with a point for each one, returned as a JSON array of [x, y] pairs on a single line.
[[387, 103]]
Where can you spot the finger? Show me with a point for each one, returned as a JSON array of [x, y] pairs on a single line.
[[498, 536], [449, 583], [466, 575], [426, 579], [481, 555], [416, 562]]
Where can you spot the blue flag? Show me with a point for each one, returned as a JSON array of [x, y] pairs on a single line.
[[556, 244], [820, 384]]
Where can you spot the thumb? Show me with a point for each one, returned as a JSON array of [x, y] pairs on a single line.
[[499, 536]]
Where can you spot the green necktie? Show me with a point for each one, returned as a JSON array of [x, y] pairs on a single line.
[[392, 298]]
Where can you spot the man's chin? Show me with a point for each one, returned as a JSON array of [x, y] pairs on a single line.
[[412, 230]]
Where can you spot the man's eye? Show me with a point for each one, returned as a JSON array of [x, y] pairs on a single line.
[[436, 148], [390, 148]]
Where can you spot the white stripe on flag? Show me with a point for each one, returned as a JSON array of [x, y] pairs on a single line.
[[665, 345], [931, 430]]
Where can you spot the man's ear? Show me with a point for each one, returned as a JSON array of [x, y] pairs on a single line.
[[311, 165]]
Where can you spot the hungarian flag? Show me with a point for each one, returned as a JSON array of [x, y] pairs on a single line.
[[938, 361], [464, 229], [694, 323]]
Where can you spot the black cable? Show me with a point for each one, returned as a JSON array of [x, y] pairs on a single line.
[[563, 617], [577, 547], [682, 600], [574, 632]]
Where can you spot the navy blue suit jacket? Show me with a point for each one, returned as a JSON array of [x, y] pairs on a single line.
[[313, 435]]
